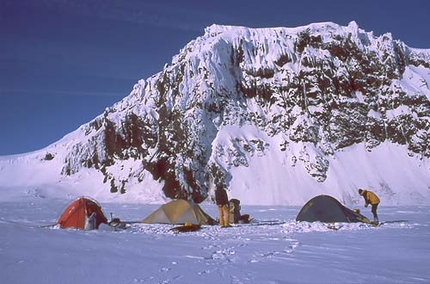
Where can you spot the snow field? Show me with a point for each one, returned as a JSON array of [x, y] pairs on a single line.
[[276, 249]]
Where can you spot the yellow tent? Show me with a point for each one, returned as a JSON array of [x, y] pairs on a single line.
[[179, 212]]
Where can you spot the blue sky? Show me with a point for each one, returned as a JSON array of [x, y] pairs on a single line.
[[62, 62]]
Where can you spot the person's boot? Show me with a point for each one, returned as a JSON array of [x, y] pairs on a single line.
[[376, 220]]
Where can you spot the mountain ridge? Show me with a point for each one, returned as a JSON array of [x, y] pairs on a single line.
[[238, 95]]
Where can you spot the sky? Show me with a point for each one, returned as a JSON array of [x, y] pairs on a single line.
[[62, 62]]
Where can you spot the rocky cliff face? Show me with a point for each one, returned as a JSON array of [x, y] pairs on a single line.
[[323, 87]]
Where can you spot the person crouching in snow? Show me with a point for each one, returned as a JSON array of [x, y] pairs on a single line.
[[372, 199], [221, 199]]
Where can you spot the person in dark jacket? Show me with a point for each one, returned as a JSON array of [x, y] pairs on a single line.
[[221, 200], [372, 199]]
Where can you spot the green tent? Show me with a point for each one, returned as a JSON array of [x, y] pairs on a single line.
[[326, 209]]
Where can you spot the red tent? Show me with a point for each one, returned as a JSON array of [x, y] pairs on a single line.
[[83, 213]]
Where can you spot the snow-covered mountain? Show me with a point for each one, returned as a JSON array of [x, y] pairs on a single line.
[[278, 115]]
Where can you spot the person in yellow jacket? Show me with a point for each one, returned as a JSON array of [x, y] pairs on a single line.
[[372, 199]]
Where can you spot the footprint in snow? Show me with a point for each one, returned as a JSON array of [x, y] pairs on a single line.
[[225, 254]]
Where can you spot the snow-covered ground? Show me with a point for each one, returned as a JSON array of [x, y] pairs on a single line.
[[276, 249]]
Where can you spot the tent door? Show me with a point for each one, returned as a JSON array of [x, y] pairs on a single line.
[[91, 222]]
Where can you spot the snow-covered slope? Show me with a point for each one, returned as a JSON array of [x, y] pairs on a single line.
[[277, 114]]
